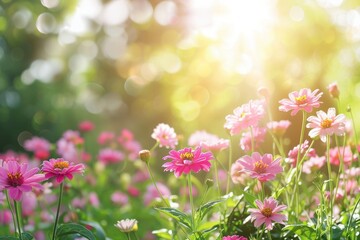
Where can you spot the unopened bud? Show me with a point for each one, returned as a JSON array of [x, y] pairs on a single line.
[[348, 109], [209, 183], [334, 90], [145, 155]]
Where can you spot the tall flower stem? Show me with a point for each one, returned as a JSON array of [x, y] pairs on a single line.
[[17, 218], [153, 181], [58, 210], [330, 186], [229, 167], [191, 204], [12, 211], [217, 177]]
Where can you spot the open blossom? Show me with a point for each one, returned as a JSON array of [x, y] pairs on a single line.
[[278, 128], [313, 164], [341, 152], [109, 155], [17, 178], [261, 167], [301, 100], [247, 115], [267, 213], [326, 124], [234, 237], [127, 225], [246, 139], [208, 141], [186, 160], [293, 153], [165, 135], [61, 168]]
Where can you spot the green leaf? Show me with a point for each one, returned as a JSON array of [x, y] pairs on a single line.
[[99, 231], [73, 228], [163, 233], [205, 208], [25, 236], [181, 217], [8, 238], [302, 230], [250, 199]]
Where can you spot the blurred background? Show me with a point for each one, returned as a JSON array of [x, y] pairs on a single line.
[[135, 63]]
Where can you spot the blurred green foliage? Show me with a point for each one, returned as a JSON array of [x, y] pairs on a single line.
[[134, 64]]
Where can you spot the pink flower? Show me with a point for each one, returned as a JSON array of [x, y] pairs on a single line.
[[257, 133], [234, 237], [345, 153], [60, 169], [152, 193], [334, 90], [208, 141], [29, 203], [67, 150], [94, 199], [125, 136], [109, 155], [105, 137], [5, 217], [165, 135], [36, 144], [292, 155], [267, 212], [186, 160], [237, 175], [119, 198], [261, 167], [17, 179], [313, 164], [246, 115], [86, 126], [303, 100], [326, 124], [133, 191], [278, 128]]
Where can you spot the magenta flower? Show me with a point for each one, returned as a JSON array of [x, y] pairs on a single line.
[[267, 212], [60, 169], [302, 100], [247, 115], [234, 237], [326, 124], [109, 155], [165, 135], [86, 126], [186, 160], [261, 167], [17, 179]]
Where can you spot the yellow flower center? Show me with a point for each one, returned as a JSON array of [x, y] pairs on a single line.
[[15, 179], [260, 167], [61, 164], [267, 212], [326, 123], [301, 99], [187, 156]]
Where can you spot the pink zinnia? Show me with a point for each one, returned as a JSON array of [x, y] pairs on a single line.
[[267, 212], [165, 136], [247, 115], [261, 167], [208, 141], [234, 237], [109, 155], [105, 137], [246, 139], [60, 169], [302, 100], [338, 152], [17, 179], [36, 144], [278, 128], [186, 160], [326, 124]]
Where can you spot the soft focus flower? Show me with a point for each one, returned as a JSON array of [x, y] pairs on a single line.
[[334, 90], [94, 199], [16, 178], [133, 191], [267, 212], [186, 160], [79, 202], [86, 126], [40, 146], [119, 198], [2, 198], [105, 137], [5, 217], [261, 167], [109, 155], [234, 237], [132, 149], [127, 225], [208, 141], [61, 168], [165, 135], [326, 124], [302, 100], [125, 136], [313, 164], [278, 128], [246, 139], [152, 193], [292, 155], [237, 175], [29, 203], [67, 150], [246, 115], [341, 152]]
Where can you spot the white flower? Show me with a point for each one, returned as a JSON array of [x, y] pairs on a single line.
[[127, 225]]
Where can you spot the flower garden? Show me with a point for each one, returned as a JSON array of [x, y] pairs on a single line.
[[206, 187]]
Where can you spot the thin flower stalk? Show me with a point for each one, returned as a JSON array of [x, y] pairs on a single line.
[[16, 207], [193, 225], [12, 212], [330, 186], [229, 167], [58, 210]]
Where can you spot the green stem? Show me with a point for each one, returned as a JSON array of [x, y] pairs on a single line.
[[351, 217], [17, 218], [12, 211], [153, 180], [128, 236], [269, 235], [217, 177], [191, 204], [229, 167], [330, 185], [252, 140], [58, 210]]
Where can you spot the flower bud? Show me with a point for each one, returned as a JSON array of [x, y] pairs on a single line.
[[334, 90], [145, 155], [209, 183]]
